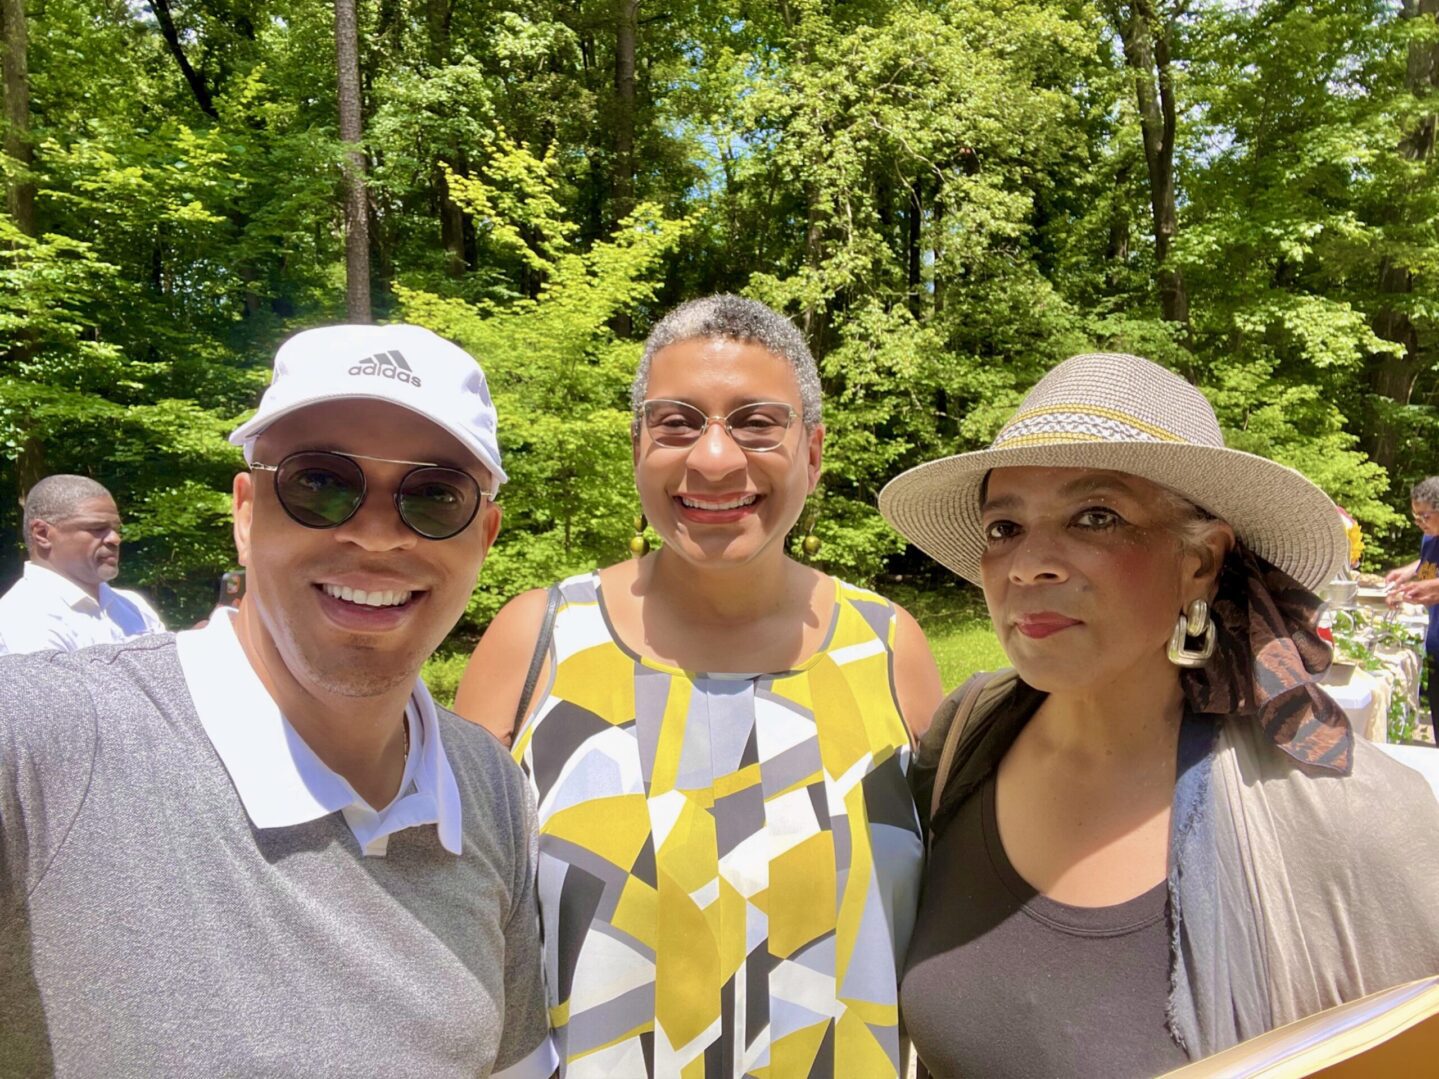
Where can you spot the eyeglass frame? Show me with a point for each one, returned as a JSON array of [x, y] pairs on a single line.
[[484, 493], [723, 421]]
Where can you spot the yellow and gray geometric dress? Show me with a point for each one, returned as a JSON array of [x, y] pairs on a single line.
[[729, 863]]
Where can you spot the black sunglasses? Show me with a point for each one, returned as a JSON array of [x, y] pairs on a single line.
[[321, 489]]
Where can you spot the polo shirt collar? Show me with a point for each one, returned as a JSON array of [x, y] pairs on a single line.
[[279, 778]]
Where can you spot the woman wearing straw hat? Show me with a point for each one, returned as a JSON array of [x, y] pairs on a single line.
[[729, 856], [1156, 836]]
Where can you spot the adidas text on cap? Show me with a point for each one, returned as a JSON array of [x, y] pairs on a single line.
[[406, 365]]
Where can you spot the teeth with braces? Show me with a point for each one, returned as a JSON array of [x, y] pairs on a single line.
[[367, 599], [733, 504]]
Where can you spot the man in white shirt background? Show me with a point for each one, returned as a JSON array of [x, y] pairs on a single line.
[[63, 599]]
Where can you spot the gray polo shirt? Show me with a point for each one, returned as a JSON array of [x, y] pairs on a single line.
[[147, 927]]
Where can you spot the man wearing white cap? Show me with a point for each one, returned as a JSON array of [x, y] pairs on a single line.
[[260, 848]]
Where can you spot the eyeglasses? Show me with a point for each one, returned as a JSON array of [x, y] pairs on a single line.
[[755, 428], [321, 489], [1421, 518]]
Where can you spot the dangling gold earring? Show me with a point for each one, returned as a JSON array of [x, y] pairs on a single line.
[[639, 546], [1194, 621], [811, 543]]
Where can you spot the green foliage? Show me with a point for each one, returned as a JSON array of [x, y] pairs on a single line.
[[559, 376], [442, 673], [948, 196], [957, 626]]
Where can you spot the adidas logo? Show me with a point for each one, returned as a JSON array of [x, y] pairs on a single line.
[[387, 365]]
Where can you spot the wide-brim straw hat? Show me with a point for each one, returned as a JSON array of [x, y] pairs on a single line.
[[1126, 414]]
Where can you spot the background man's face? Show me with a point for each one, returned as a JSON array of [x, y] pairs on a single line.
[[326, 642], [84, 547]]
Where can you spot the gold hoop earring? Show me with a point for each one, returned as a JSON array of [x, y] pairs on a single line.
[[639, 545], [811, 543], [1194, 621]]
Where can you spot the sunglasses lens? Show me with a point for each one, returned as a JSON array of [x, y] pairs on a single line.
[[320, 490], [438, 502]]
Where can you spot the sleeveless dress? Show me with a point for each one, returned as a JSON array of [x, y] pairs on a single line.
[[729, 863]]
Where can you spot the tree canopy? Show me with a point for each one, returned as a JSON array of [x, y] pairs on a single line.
[[948, 196]]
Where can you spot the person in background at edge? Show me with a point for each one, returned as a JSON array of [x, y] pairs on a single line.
[[231, 591], [64, 600], [1418, 582], [729, 853], [260, 848], [1158, 836]]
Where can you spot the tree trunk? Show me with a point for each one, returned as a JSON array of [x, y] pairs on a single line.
[[1394, 376], [1147, 52], [912, 260], [815, 318], [439, 17], [20, 196], [161, 10], [622, 183], [937, 245], [357, 222], [626, 33]]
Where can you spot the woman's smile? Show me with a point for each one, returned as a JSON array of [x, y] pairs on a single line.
[[717, 508]]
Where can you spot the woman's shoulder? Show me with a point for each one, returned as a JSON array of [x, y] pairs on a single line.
[[854, 593], [1377, 812], [1399, 785]]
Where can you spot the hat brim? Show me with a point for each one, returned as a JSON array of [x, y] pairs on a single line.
[[262, 421], [1276, 511]]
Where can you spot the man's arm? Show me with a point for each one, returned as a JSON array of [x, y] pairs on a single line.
[[1402, 573], [1425, 593], [41, 634], [1396, 577], [47, 752]]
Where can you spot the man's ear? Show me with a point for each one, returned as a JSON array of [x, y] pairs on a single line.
[[490, 522], [41, 538], [242, 501]]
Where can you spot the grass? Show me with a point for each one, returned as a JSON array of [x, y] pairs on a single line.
[[442, 673], [954, 619], [951, 614]]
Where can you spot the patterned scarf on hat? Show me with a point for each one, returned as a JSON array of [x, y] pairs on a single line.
[[1267, 657]]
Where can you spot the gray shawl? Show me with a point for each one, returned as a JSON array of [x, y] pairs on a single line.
[[1293, 889]]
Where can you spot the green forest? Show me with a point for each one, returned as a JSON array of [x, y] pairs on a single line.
[[948, 196]]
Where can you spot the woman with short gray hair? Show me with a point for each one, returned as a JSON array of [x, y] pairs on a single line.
[[717, 738]]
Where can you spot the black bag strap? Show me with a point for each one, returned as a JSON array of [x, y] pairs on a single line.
[[542, 649]]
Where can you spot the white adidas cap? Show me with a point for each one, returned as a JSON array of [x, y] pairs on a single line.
[[406, 365]]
